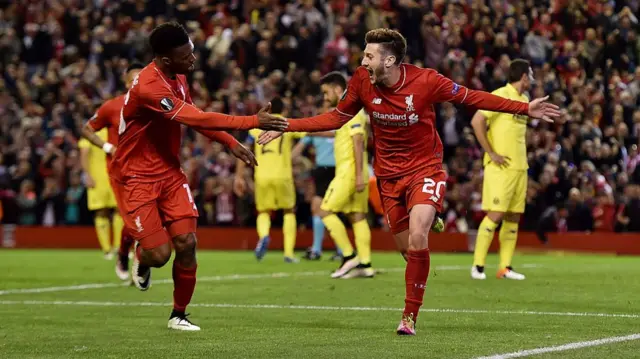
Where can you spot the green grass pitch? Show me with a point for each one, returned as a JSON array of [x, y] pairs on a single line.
[[69, 304]]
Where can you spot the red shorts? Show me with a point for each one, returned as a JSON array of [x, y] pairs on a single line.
[[149, 207], [399, 195]]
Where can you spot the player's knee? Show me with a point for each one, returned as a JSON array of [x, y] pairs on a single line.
[[512, 217], [357, 217], [185, 243], [496, 217], [159, 256], [104, 212], [322, 213]]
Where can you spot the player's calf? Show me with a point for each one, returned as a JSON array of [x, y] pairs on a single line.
[[184, 271]]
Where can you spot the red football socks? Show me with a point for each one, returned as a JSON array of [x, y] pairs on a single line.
[[415, 277], [125, 245], [184, 283]]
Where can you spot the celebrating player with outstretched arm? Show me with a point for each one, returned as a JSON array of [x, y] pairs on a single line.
[[156, 200], [408, 152]]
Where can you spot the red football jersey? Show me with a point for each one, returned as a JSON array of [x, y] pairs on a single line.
[[149, 128], [403, 116], [108, 115]]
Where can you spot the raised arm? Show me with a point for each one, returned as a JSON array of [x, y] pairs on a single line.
[[442, 89]]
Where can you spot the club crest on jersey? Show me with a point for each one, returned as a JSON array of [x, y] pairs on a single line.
[[409, 101], [166, 104]]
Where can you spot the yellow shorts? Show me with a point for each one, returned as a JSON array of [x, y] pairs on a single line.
[[101, 196], [341, 196], [274, 194], [504, 190]]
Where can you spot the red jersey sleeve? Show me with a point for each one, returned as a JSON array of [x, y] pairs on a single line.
[[442, 89], [218, 136], [101, 118], [162, 101], [348, 106]]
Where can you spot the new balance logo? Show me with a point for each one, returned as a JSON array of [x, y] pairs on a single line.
[[376, 101]]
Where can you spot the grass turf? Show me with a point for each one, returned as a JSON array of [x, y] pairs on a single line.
[[276, 310]]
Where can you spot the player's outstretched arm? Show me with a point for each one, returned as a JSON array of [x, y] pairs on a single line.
[[164, 102], [442, 89]]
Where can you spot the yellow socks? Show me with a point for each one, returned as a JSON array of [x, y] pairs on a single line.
[[508, 238], [483, 241], [362, 232], [263, 224], [338, 232], [289, 229], [103, 230], [117, 223]]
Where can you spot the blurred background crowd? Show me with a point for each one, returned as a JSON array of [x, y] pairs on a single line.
[[60, 59]]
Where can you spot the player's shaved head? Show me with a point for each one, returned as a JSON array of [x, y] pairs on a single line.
[[391, 42], [167, 37], [277, 105], [134, 66], [131, 72]]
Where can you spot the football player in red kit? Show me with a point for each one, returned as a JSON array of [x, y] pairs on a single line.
[[399, 99], [156, 201], [108, 116]]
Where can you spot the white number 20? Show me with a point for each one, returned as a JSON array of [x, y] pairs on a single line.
[[186, 186], [428, 186]]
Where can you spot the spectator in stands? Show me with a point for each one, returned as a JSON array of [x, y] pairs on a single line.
[[60, 60]]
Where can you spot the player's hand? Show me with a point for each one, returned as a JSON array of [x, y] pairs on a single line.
[[360, 184], [541, 109], [239, 186], [501, 161], [268, 121], [268, 136], [244, 154], [89, 182]]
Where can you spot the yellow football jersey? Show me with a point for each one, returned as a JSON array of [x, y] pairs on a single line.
[[274, 158], [343, 145], [97, 159], [507, 132]]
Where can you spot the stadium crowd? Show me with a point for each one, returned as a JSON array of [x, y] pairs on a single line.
[[60, 59]]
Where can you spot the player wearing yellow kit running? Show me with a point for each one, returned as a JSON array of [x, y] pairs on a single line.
[[504, 189], [100, 197], [274, 187], [348, 192]]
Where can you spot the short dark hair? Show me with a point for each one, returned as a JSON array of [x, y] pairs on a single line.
[[334, 78], [517, 68], [134, 66], [390, 40], [167, 37], [277, 105]]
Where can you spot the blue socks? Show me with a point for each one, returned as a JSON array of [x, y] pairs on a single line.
[[318, 234]]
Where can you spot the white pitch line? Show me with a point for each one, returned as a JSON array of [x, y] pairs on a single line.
[[310, 307], [565, 347], [219, 278]]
